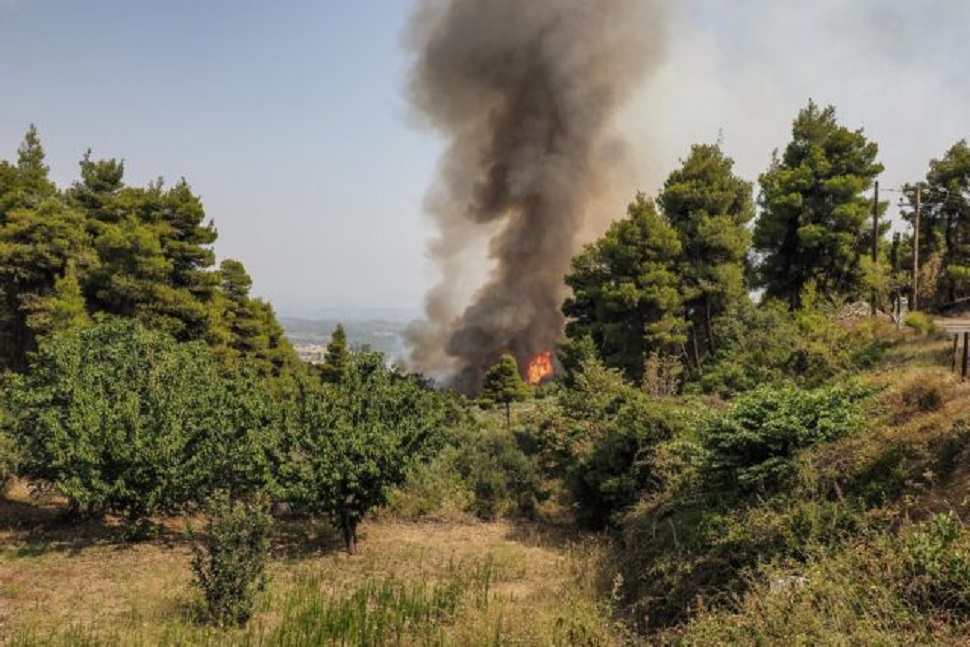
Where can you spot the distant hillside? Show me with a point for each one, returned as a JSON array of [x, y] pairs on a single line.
[[310, 336]]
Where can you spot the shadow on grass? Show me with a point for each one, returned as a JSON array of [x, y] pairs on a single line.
[[31, 528], [299, 538], [546, 533]]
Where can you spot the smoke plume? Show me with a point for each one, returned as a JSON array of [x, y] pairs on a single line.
[[526, 93]]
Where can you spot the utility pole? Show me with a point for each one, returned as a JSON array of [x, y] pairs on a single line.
[[875, 245], [919, 195]]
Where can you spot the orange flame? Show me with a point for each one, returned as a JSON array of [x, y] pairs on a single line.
[[540, 368]]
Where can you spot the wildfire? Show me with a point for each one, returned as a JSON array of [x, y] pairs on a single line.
[[539, 368]]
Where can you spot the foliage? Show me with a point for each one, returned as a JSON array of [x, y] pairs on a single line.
[[348, 444], [621, 465], [920, 322], [504, 385], [710, 208], [601, 436], [503, 480], [814, 220], [102, 247], [938, 565], [122, 419], [766, 344], [752, 446], [335, 364], [433, 490], [944, 236], [229, 559], [625, 293]]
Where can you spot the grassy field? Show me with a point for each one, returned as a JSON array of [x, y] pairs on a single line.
[[412, 584]]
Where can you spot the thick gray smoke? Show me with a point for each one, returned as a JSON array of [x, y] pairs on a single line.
[[525, 91]]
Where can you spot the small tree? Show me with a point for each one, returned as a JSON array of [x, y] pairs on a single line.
[[334, 368], [349, 443], [229, 558], [504, 385]]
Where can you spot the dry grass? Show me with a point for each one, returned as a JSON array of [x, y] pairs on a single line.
[[64, 584]]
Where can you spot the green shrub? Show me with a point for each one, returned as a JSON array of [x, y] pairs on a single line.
[[762, 345], [9, 459], [434, 489], [621, 465], [502, 478], [751, 447], [920, 322], [229, 559], [938, 561]]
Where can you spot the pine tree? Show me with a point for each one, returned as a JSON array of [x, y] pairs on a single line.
[[503, 384], [710, 209], [944, 224], [626, 291], [63, 310], [815, 217], [334, 367], [32, 171]]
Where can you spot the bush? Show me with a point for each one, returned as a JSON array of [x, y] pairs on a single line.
[[229, 559], [502, 478], [9, 459], [938, 562], [351, 442], [120, 418], [765, 344], [920, 322], [432, 490], [752, 446], [923, 397], [621, 465]]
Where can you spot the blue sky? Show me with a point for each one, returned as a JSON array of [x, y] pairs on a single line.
[[290, 119]]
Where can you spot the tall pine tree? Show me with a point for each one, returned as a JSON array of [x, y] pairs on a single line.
[[815, 217], [710, 208], [626, 295]]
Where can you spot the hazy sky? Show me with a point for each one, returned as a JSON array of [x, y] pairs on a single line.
[[290, 118]]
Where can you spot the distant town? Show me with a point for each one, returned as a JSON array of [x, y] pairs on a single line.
[[311, 336]]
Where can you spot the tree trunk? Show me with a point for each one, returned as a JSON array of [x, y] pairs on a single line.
[[350, 534], [709, 329], [695, 358]]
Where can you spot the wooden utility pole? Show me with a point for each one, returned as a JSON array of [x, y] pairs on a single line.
[[875, 245], [919, 195], [966, 353]]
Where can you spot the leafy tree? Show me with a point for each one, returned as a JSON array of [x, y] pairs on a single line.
[[814, 220], [626, 295], [504, 385], [500, 475], [601, 436], [96, 192], [710, 208], [123, 419], [33, 184], [349, 443], [63, 310], [250, 328]]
